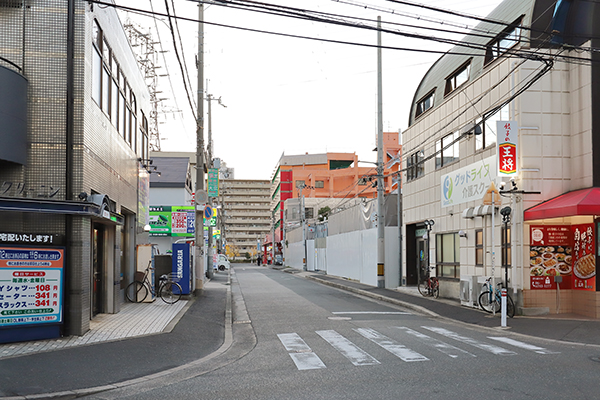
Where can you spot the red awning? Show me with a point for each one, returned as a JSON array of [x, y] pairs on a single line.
[[578, 202]]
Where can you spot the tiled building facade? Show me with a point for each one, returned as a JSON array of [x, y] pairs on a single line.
[[520, 72], [80, 178]]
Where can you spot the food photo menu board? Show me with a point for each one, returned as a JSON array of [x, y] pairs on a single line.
[[584, 257], [565, 251]]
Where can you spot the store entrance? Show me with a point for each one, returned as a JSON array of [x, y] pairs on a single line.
[[98, 269]]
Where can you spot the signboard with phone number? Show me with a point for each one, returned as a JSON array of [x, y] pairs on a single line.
[[31, 285]]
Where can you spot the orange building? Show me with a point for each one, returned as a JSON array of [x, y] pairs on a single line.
[[329, 175]]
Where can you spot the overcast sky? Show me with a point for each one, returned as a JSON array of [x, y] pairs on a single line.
[[287, 94]]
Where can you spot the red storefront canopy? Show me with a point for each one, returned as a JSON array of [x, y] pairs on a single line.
[[578, 202]]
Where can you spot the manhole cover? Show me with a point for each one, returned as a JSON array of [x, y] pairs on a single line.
[[339, 318]]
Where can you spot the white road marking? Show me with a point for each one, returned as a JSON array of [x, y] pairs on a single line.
[[348, 349], [444, 347], [293, 342], [372, 312], [522, 345], [306, 361], [470, 341], [302, 355], [391, 345]]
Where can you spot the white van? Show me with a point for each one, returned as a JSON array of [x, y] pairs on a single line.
[[222, 262]]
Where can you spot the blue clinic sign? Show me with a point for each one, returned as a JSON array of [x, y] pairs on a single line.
[[181, 265]]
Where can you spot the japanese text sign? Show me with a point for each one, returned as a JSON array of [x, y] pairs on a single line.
[[468, 183], [172, 220], [508, 139], [31, 285]]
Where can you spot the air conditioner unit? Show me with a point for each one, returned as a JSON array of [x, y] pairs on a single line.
[[469, 290], [465, 290]]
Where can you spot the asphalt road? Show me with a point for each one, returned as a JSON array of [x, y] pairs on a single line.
[[297, 339]]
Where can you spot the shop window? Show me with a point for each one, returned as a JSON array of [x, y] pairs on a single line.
[[504, 42], [479, 247], [447, 255], [414, 166], [446, 150], [425, 103], [506, 247], [457, 78]]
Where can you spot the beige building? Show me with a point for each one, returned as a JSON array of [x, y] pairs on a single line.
[[520, 72], [243, 215]]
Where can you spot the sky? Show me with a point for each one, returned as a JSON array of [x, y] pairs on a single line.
[[292, 95]]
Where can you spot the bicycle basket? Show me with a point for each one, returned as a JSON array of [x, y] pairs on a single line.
[[138, 276]]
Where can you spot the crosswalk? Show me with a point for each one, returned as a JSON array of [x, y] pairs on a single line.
[[437, 339]]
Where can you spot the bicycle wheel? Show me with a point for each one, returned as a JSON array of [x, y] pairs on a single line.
[[136, 292], [510, 307], [170, 292], [423, 288], [485, 301], [436, 287]]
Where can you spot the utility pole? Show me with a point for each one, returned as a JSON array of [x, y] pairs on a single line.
[[210, 164], [200, 193], [380, 184]]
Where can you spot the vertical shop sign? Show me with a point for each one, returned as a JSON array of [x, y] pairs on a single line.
[[31, 285], [213, 182], [550, 256], [508, 139], [584, 257]]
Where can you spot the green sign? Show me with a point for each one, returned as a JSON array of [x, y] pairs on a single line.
[[172, 221], [213, 182]]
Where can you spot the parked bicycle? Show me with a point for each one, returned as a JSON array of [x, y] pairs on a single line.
[[168, 290], [429, 285], [490, 300]]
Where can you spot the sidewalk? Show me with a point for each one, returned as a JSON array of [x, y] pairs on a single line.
[[568, 328], [119, 347]]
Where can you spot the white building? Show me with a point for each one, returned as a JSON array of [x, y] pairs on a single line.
[[535, 70]]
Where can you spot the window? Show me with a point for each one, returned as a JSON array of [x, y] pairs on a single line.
[[457, 78], [505, 247], [110, 90], [488, 129], [447, 255], [425, 103], [446, 150], [507, 39], [300, 184], [362, 181], [414, 166], [479, 247], [319, 184]]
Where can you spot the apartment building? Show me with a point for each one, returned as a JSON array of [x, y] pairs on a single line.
[[243, 216]]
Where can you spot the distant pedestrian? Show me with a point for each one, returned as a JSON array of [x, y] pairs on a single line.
[[258, 260]]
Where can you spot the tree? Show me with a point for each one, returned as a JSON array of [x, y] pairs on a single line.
[[232, 251], [324, 213]]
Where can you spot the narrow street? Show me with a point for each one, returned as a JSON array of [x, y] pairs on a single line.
[[314, 341]]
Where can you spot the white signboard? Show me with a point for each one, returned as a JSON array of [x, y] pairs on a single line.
[[468, 183]]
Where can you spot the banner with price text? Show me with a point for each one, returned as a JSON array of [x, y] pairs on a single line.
[[31, 285]]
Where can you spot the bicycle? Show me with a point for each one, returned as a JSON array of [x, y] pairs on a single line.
[[429, 286], [168, 290], [491, 300]]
